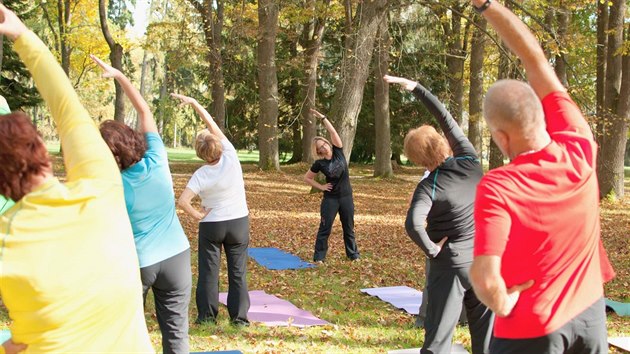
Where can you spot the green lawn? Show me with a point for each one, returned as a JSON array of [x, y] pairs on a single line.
[[188, 155]]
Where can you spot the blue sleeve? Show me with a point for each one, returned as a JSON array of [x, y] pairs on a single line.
[[156, 152], [416, 217], [460, 145]]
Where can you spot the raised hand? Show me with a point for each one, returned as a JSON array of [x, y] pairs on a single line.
[[10, 25], [407, 84], [317, 114], [185, 100], [108, 70]]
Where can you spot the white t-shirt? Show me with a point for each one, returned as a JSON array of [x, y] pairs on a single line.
[[221, 187]]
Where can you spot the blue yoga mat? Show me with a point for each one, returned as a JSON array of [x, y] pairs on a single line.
[[275, 259], [620, 308]]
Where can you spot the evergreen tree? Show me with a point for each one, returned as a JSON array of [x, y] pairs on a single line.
[[15, 81]]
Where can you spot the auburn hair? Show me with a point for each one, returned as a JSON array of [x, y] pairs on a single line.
[[425, 147], [23, 155], [208, 146], [127, 145]]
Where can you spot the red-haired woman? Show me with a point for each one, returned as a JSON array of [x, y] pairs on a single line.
[[440, 220], [337, 191], [162, 246], [69, 273]]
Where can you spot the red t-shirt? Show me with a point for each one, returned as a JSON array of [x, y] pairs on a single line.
[[540, 214]]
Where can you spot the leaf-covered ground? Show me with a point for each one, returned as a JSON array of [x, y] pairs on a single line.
[[284, 214]]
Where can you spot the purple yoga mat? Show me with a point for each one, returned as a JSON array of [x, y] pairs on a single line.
[[402, 297], [273, 311]]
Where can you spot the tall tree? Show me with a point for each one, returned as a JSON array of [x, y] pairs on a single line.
[[211, 12], [355, 65], [455, 56], [383, 147], [475, 95], [602, 46], [615, 118], [560, 64], [311, 41], [115, 57], [268, 85]]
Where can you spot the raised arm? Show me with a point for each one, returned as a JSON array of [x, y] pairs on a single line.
[[334, 137], [522, 42], [458, 142], [145, 117], [207, 118], [85, 153]]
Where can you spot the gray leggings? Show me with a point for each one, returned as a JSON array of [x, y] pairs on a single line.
[[171, 281]]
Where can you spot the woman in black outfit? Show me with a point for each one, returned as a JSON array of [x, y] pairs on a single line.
[[337, 191], [445, 202]]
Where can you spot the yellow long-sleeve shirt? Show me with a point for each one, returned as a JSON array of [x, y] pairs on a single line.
[[69, 273]]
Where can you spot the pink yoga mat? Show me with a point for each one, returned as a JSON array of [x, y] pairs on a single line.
[[273, 311]]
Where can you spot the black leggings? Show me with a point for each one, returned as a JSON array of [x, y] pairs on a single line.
[[233, 235], [328, 210]]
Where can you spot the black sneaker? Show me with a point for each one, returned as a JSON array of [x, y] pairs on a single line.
[[240, 323]]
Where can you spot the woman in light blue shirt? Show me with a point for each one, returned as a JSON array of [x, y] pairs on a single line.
[[162, 246]]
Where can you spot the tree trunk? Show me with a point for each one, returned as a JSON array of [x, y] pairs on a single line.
[[64, 19], [602, 45], [115, 56], [610, 165], [455, 63], [475, 96], [383, 148], [312, 42], [359, 47], [212, 30], [560, 66], [294, 101], [268, 85]]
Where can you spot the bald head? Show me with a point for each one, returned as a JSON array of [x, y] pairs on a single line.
[[513, 107]]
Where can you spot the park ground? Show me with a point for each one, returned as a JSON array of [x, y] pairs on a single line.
[[284, 214]]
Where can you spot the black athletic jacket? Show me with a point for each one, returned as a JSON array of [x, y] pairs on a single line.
[[445, 199]]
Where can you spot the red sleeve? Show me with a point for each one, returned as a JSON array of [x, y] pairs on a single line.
[[492, 221], [562, 114]]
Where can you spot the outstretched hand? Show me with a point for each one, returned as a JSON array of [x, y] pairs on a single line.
[[407, 84], [10, 25], [317, 114], [108, 70], [184, 100]]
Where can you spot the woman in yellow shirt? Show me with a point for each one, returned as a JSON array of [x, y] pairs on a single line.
[[68, 267]]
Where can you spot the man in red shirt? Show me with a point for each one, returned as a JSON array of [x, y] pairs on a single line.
[[539, 262]]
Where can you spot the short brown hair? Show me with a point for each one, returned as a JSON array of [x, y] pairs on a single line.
[[425, 147], [23, 155], [127, 145], [208, 146]]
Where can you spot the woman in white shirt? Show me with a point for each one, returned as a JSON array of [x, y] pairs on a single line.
[[223, 221]]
